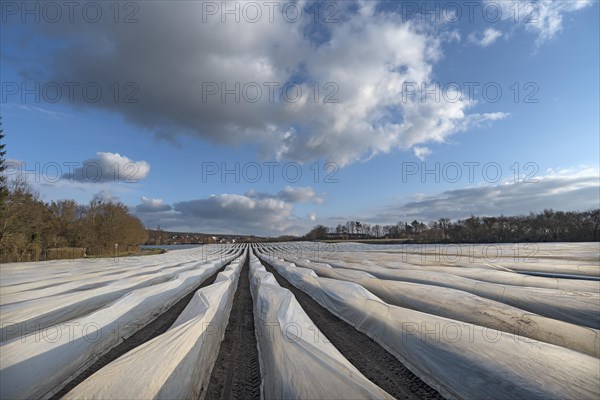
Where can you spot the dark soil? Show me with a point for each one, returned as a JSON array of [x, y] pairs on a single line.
[[236, 374]]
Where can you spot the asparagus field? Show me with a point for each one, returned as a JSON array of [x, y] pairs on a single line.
[[306, 320]]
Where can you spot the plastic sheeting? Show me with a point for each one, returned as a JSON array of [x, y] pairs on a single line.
[[26, 316], [467, 307], [40, 363], [555, 258], [581, 308], [178, 363], [507, 277], [26, 281], [96, 279], [26, 310], [475, 271], [296, 360], [457, 359], [33, 276]]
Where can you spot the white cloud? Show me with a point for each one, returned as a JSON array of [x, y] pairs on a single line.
[[300, 195], [421, 152], [451, 36], [108, 167], [573, 172], [235, 213], [566, 191], [488, 37], [542, 17], [252, 213], [290, 194], [362, 62], [152, 205]]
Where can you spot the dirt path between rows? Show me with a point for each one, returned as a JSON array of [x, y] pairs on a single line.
[[372, 360], [153, 329], [236, 374]]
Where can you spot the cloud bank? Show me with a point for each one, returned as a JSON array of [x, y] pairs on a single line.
[[560, 190], [250, 213]]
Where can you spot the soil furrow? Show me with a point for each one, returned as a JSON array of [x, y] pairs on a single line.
[[236, 374]]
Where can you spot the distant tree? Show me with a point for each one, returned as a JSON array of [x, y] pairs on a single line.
[[444, 227], [63, 224], [3, 180], [318, 232], [108, 223], [23, 228], [377, 230], [393, 231], [594, 217]]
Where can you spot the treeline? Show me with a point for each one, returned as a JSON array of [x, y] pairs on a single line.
[[34, 230], [546, 226]]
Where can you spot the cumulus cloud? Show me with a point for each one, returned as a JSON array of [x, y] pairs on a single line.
[[488, 37], [565, 190], [359, 66], [251, 213], [108, 167], [230, 213], [312, 216], [149, 205]]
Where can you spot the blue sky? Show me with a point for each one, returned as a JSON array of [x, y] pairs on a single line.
[[375, 135]]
